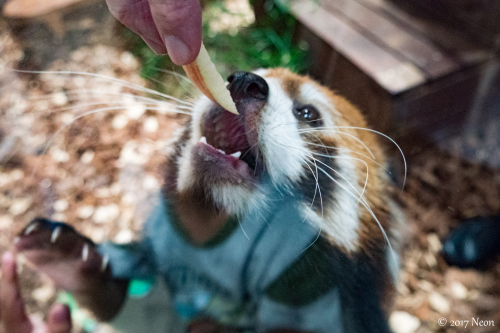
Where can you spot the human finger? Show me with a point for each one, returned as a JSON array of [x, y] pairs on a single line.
[[136, 15], [13, 317], [179, 25], [59, 319]]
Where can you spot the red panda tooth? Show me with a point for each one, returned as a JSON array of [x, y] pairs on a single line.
[[236, 154]]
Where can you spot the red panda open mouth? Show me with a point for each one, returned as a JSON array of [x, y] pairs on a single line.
[[225, 132]]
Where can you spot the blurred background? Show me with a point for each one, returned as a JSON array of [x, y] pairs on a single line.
[[87, 111]]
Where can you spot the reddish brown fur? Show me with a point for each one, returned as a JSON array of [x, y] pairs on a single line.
[[347, 115]]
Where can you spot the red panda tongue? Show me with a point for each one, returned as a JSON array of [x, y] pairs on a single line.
[[221, 164], [225, 132]]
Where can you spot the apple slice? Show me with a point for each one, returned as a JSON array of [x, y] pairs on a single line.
[[204, 75]]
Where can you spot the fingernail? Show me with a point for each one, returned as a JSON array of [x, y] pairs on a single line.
[[178, 51], [8, 265], [158, 48], [7, 258], [61, 313]]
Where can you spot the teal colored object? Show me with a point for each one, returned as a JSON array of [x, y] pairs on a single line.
[[136, 289], [140, 288], [77, 314]]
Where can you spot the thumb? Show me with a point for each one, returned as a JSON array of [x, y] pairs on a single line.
[[179, 25], [13, 317], [59, 320]]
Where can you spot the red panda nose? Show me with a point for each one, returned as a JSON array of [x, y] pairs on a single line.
[[245, 85]]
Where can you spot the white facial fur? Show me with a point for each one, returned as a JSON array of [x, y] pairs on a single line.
[[186, 176], [277, 130], [341, 221], [310, 94], [235, 199], [285, 153], [279, 139]]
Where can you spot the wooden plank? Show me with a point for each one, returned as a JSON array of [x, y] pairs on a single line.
[[387, 70], [484, 15], [333, 70], [373, 101], [449, 39], [438, 107], [395, 38], [478, 19], [320, 53]]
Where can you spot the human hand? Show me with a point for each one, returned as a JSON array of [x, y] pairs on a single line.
[[13, 317], [172, 26]]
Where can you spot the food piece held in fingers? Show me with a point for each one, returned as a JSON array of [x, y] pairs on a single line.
[[205, 76]]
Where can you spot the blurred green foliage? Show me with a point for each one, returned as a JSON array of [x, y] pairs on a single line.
[[151, 63], [267, 43]]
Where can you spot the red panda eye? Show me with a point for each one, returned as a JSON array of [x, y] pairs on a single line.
[[308, 114]]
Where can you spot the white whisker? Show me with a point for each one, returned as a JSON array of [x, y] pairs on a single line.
[[130, 85], [347, 134], [312, 243], [347, 150], [367, 207], [310, 155], [317, 188], [350, 158], [354, 193], [158, 82], [244, 232], [177, 75], [146, 101], [322, 129]]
